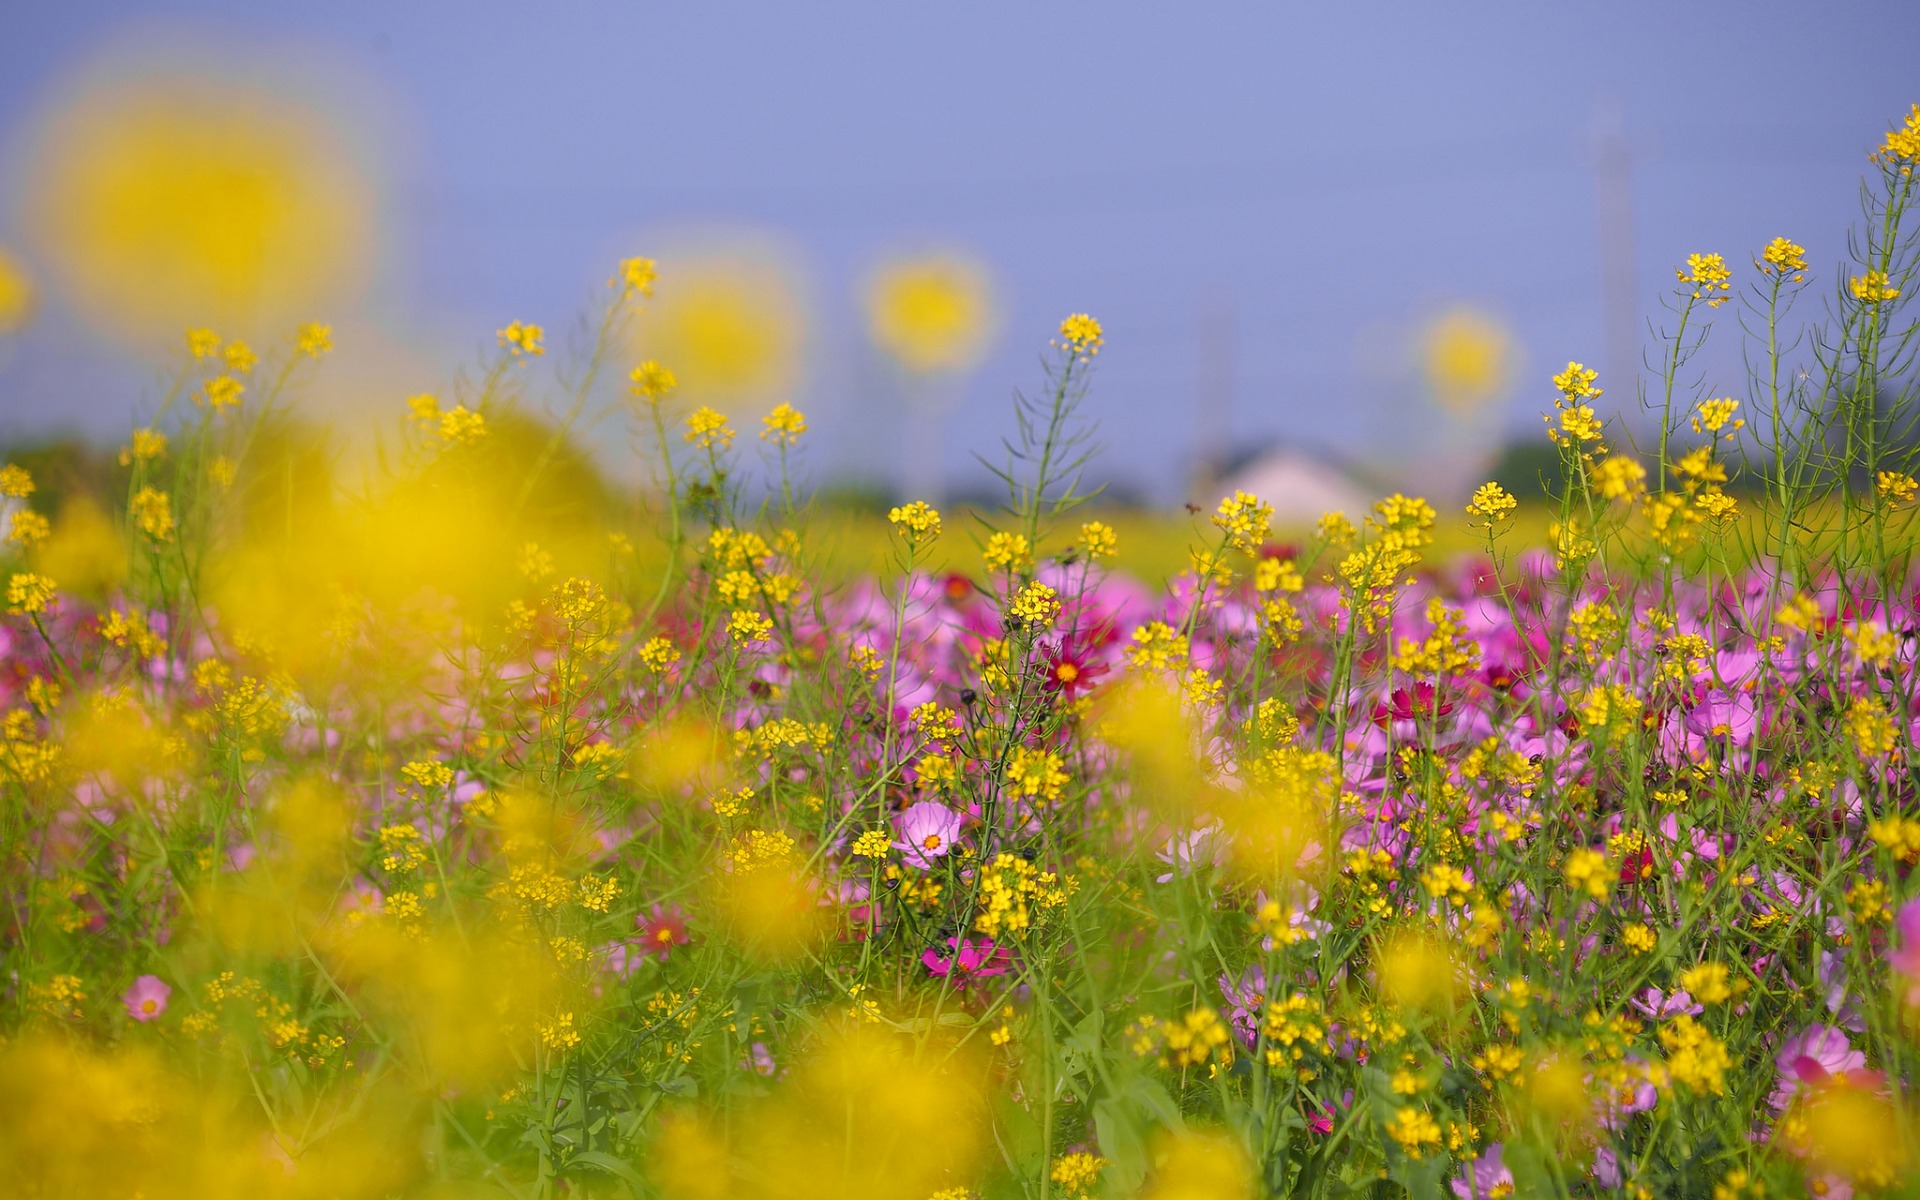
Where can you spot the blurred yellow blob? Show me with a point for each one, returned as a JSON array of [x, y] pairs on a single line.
[[1467, 357], [393, 563], [162, 202], [870, 1115], [730, 326], [687, 1159], [1276, 829], [772, 911], [1419, 974], [681, 758], [16, 292], [932, 313], [468, 1002], [75, 1121], [1854, 1132], [85, 553], [1557, 1091], [111, 738], [1200, 1165], [1143, 718]]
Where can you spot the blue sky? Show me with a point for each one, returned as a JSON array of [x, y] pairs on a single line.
[[1323, 174]]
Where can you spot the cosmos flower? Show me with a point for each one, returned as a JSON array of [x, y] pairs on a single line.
[[1816, 1055], [1486, 1177], [147, 998], [927, 831], [973, 957], [661, 929], [1904, 958]]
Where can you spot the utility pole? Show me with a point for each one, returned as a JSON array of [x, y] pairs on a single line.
[[1213, 397], [1613, 193]]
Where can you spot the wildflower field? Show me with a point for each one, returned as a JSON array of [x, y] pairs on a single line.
[[430, 835]]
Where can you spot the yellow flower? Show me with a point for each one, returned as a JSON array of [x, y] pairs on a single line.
[[1706, 983], [658, 654], [1577, 424], [1576, 383], [203, 343], [1080, 334], [1902, 145], [146, 445], [1872, 288], [240, 358], [1708, 276], [1873, 730], [28, 528], [746, 625], [224, 391], [1639, 938], [784, 425], [1896, 487], [1783, 257], [521, 339], [559, 1033], [1037, 606], [653, 382], [1246, 519], [708, 429], [152, 513], [461, 426], [1415, 1130], [1491, 504], [1007, 552], [1076, 1173], [1714, 415], [1695, 1058], [872, 844], [1097, 541], [1587, 871], [29, 594], [15, 482], [1618, 478], [314, 339], [636, 276]]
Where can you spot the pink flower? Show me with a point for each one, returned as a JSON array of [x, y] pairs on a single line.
[[1486, 1178], [1658, 1006], [1904, 958], [147, 998], [1813, 1056], [760, 1060], [927, 831], [976, 956]]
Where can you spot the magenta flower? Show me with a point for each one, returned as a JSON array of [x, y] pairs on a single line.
[[927, 831], [147, 998], [1486, 1178], [1904, 958], [1814, 1056], [975, 956]]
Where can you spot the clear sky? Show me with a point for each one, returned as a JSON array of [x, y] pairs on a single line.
[[1315, 178]]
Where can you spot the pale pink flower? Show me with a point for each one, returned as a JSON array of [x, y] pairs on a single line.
[[147, 998], [927, 831]]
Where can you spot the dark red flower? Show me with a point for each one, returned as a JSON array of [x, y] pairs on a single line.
[[1069, 670], [1422, 701], [661, 929]]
